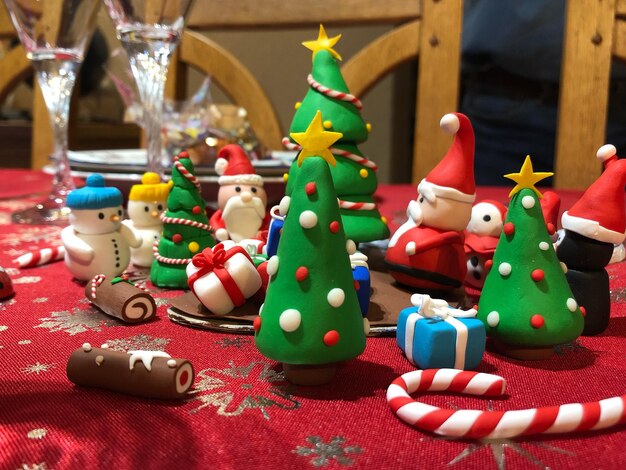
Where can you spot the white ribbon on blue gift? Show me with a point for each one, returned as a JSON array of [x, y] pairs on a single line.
[[439, 308]]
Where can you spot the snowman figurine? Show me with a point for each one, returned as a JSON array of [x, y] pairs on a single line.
[[426, 252], [96, 242], [146, 202], [481, 238]]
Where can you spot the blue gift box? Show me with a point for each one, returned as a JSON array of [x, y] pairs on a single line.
[[433, 342], [273, 234], [362, 275]]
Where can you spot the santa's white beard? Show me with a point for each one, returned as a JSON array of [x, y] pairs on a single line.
[[243, 219]]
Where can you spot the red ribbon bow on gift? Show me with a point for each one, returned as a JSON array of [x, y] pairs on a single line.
[[213, 260]]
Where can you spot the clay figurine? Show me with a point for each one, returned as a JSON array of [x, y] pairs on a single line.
[[354, 175], [481, 238], [241, 198], [526, 304], [6, 286], [427, 252], [96, 241], [311, 317], [592, 226], [146, 202]]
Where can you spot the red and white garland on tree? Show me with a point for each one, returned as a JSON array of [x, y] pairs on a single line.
[[347, 97], [477, 424]]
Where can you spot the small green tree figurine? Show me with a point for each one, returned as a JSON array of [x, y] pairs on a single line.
[[311, 317], [186, 229], [526, 303], [354, 176]]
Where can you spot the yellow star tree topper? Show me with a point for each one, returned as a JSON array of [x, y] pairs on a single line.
[[323, 42], [527, 178], [316, 141]]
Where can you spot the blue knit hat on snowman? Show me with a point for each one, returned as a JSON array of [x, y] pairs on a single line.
[[95, 195]]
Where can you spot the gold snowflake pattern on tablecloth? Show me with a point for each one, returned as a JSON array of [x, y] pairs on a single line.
[[27, 280], [76, 321], [38, 433], [236, 389], [37, 368], [326, 452], [34, 466], [5, 303], [32, 235], [234, 342], [141, 342]]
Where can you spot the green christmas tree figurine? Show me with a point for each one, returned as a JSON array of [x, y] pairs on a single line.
[[354, 176], [311, 317], [526, 303], [186, 229]]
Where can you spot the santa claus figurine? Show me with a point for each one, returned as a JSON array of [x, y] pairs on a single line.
[[241, 198], [426, 252]]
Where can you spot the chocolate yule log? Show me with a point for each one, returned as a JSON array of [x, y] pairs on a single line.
[[120, 299], [149, 374]]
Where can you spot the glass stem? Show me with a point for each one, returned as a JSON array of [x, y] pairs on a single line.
[[150, 71], [56, 79]]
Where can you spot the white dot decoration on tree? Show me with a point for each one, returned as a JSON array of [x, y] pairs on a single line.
[[366, 326], [272, 265], [493, 319], [336, 297], [308, 219], [543, 246], [505, 269], [290, 320], [261, 309], [563, 267], [283, 206], [528, 202], [572, 305], [350, 247]]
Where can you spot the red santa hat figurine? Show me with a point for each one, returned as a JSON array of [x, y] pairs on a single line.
[[426, 252], [241, 199]]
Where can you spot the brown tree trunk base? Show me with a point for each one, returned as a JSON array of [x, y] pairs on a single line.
[[524, 354], [317, 374]]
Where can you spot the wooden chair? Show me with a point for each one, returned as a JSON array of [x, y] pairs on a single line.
[[426, 29], [595, 31]]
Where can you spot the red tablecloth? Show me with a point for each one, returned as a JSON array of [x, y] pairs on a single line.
[[242, 413]]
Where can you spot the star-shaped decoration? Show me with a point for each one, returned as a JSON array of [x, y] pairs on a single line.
[[527, 178], [316, 141], [323, 42]]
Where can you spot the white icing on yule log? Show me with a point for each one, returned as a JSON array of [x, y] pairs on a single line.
[[146, 357]]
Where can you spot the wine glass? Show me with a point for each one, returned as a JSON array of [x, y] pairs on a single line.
[[55, 34], [149, 31]]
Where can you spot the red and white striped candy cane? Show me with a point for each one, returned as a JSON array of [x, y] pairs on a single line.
[[356, 206], [289, 145], [479, 424], [39, 257], [183, 171], [338, 95], [97, 280]]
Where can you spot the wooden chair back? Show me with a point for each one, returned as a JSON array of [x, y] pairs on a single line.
[[595, 31], [429, 30]]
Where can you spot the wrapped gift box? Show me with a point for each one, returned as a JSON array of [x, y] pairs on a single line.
[[223, 278], [432, 342], [362, 284]]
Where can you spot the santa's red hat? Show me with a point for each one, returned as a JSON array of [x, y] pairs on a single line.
[[599, 213], [550, 205], [453, 177], [234, 167]]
